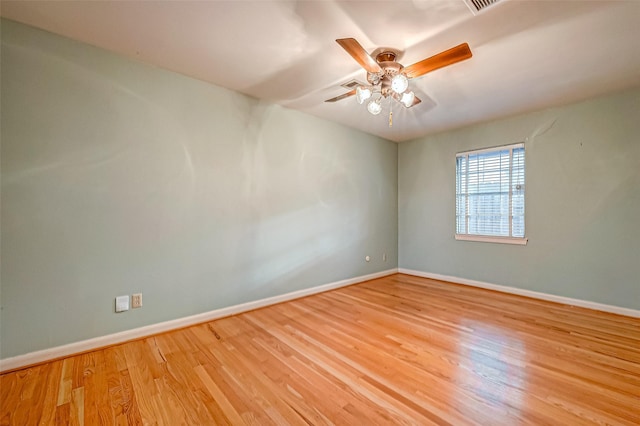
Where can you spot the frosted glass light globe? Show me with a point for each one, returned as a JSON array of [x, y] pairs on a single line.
[[399, 83], [362, 94], [374, 107], [407, 99]]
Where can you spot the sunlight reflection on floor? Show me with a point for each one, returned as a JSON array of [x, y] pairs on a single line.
[[487, 370]]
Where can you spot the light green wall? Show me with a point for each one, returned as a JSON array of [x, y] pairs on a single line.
[[119, 178], [582, 203]]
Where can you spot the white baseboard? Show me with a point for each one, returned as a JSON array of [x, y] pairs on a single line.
[[528, 293], [149, 330]]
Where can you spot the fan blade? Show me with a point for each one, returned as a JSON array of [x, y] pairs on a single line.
[[442, 59], [344, 95], [358, 53], [416, 101]]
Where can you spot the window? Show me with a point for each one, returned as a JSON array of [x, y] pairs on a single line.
[[490, 195]]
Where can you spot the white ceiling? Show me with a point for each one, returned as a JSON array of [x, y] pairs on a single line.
[[527, 55]]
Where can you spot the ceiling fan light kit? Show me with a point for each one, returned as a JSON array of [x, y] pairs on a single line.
[[407, 99], [399, 83], [362, 94], [391, 79], [375, 107]]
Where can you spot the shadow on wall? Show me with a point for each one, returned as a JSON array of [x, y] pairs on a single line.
[[301, 204]]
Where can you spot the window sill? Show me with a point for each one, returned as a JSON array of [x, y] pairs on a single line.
[[486, 239]]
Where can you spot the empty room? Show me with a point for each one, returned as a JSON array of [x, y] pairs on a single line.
[[419, 212]]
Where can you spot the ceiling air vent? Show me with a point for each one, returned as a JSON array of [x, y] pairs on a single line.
[[477, 6], [352, 84]]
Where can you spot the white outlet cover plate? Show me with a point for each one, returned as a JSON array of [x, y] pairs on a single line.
[[122, 303]]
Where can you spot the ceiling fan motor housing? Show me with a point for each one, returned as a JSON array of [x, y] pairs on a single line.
[[390, 68]]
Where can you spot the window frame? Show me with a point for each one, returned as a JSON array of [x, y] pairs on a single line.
[[492, 238]]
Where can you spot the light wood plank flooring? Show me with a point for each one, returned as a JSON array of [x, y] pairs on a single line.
[[397, 350]]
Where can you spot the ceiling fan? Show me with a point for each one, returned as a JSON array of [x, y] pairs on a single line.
[[389, 78]]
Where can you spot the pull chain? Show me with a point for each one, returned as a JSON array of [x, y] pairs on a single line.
[[391, 115]]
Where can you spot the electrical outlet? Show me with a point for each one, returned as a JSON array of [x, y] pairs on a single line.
[[122, 303], [136, 300], [384, 257]]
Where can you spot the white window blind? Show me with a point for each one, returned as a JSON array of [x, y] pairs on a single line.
[[490, 186]]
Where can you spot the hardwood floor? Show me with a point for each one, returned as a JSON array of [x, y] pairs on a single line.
[[396, 350]]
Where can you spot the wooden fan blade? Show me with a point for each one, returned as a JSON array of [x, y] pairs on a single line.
[[442, 59], [416, 101], [358, 53], [344, 95]]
